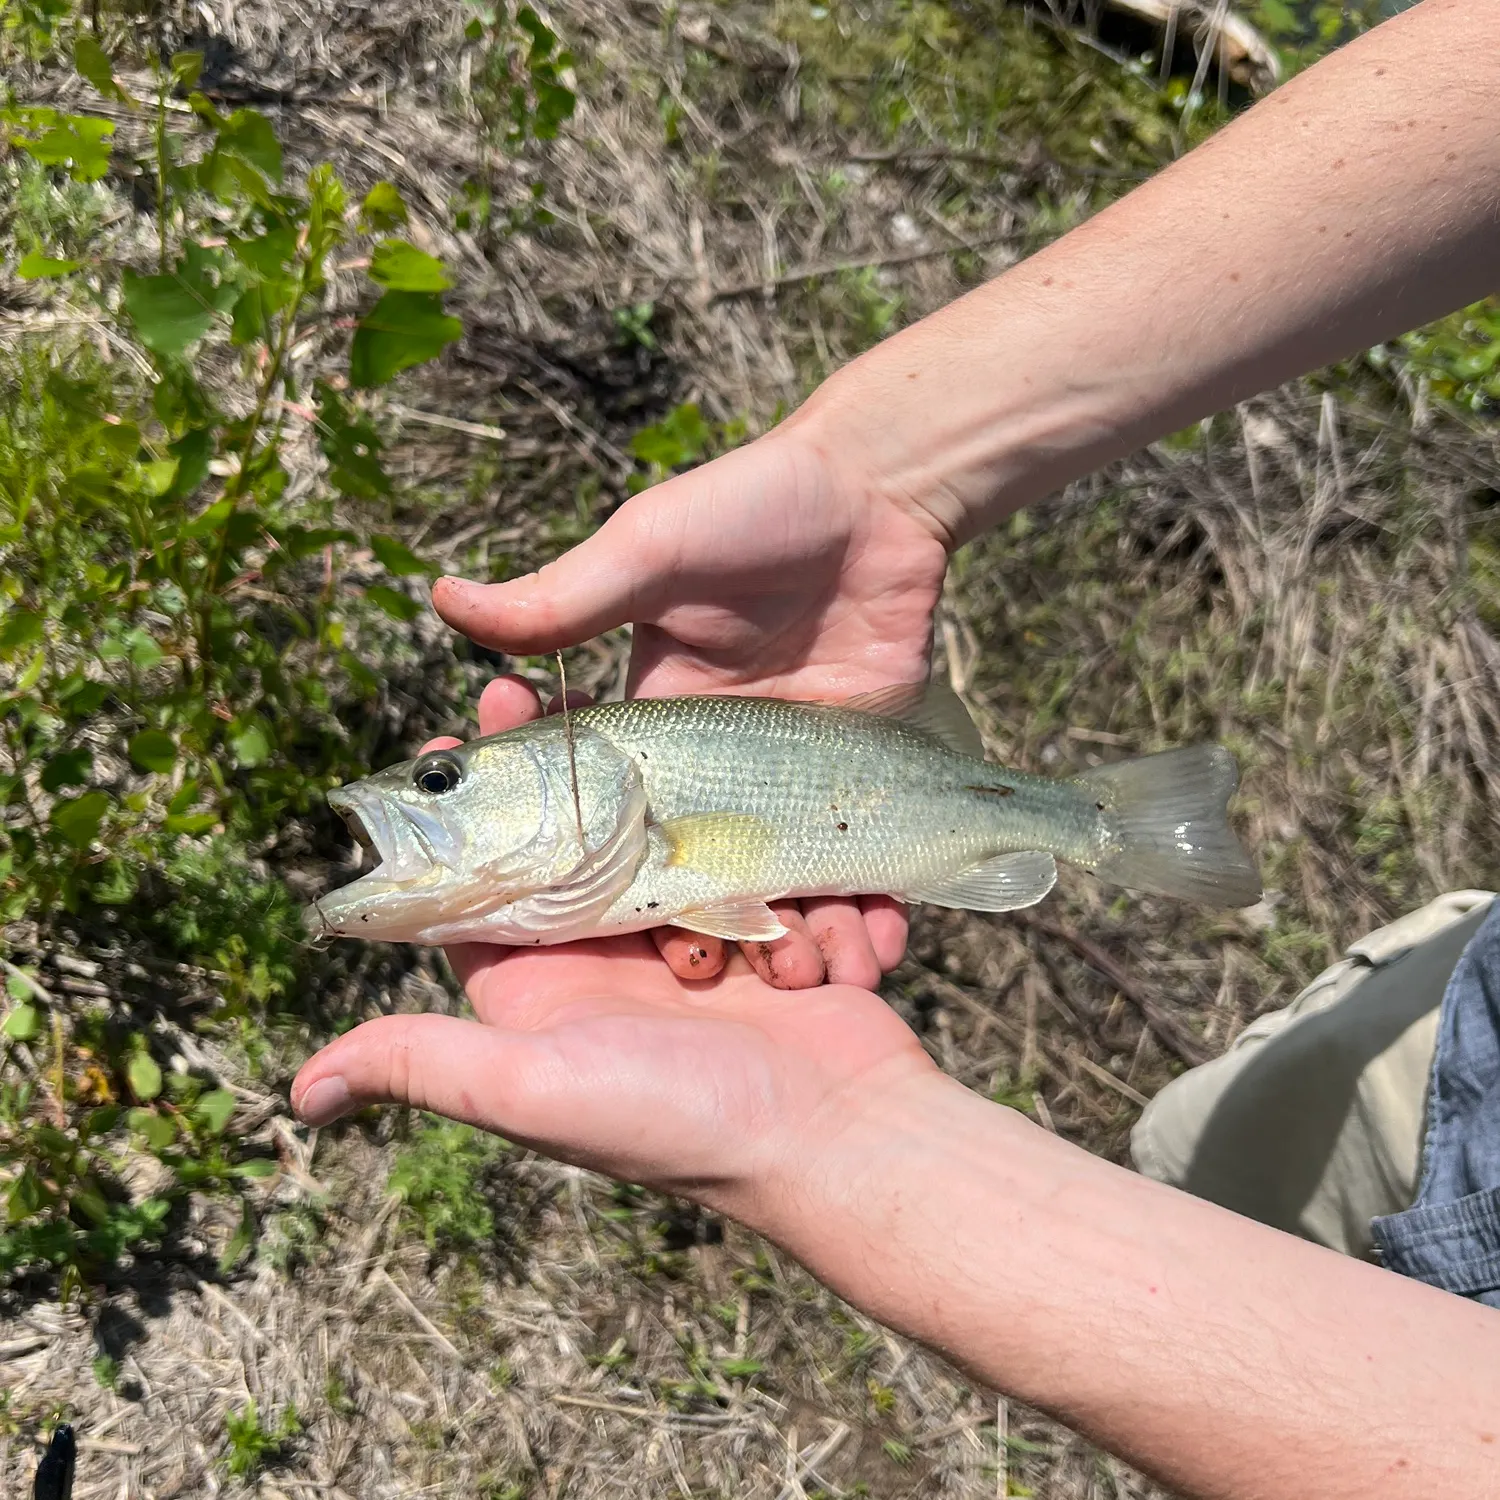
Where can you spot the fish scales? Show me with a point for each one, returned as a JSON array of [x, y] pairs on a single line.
[[699, 811], [859, 805]]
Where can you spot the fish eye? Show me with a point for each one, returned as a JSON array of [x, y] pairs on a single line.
[[436, 774]]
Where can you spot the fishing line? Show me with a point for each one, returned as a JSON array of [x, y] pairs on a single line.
[[567, 718]]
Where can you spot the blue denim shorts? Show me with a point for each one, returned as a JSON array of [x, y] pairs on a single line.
[[1450, 1236]]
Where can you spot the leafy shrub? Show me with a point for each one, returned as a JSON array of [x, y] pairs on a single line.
[[180, 623]]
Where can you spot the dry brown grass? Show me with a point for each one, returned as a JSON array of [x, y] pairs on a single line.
[[1295, 582]]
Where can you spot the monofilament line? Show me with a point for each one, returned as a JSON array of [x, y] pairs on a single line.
[[567, 717]]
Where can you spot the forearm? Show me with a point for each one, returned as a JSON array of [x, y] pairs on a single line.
[[1354, 203], [1223, 1357]]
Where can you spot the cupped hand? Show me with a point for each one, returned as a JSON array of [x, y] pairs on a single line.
[[723, 1089], [776, 569]]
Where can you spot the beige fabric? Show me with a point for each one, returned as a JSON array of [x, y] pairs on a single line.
[[1312, 1121]]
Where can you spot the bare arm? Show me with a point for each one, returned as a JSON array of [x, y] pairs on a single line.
[[1354, 203], [1227, 1359]]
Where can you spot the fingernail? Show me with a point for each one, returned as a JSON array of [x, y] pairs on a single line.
[[324, 1101]]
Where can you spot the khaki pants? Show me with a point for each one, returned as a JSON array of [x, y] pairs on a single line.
[[1313, 1120]]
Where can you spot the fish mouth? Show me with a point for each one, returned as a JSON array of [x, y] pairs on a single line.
[[392, 856]]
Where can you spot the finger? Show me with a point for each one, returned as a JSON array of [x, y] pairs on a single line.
[[577, 698], [603, 582], [689, 955], [887, 921], [792, 962], [455, 1068], [838, 928], [506, 702], [442, 742]]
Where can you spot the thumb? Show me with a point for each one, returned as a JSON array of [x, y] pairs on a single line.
[[601, 583], [506, 1082]]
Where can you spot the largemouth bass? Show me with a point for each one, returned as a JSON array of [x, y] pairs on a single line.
[[697, 812]]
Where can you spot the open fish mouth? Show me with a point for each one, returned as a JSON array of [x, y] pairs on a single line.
[[387, 857]]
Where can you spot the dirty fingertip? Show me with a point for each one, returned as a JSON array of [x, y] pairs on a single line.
[[689, 955]]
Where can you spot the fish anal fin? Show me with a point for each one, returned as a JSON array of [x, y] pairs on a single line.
[[738, 921], [1005, 883], [930, 706], [730, 845]]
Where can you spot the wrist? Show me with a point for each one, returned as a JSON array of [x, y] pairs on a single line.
[[987, 405], [864, 1195]]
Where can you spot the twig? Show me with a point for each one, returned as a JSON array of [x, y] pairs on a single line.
[[453, 424], [1167, 1030], [855, 263], [821, 1454], [417, 1316], [1104, 1076]]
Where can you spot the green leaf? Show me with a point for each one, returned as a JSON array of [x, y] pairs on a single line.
[[383, 208], [143, 651], [396, 557], [76, 143], [249, 135], [159, 1130], [143, 1076], [93, 63], [23, 1024], [186, 68], [78, 819], [32, 674], [214, 1109], [191, 824], [184, 797], [70, 768], [266, 254], [251, 746], [404, 268], [241, 1240], [397, 605], [19, 986], [260, 1166], [401, 330], [352, 447], [207, 520], [194, 451], [176, 309], [36, 266], [20, 628], [153, 750]]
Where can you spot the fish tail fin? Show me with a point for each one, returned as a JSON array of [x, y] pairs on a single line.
[[1167, 827]]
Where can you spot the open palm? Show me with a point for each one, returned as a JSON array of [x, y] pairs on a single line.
[[597, 1054]]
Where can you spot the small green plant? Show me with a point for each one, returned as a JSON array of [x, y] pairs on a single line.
[[521, 86], [633, 324], [252, 1444], [168, 695], [682, 438], [439, 1177]]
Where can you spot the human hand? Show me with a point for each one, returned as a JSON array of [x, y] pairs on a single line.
[[775, 569], [723, 1089]]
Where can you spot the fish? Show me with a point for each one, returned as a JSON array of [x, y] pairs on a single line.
[[698, 812]]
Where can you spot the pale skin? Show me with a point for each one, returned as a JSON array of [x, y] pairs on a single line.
[[1225, 1358]]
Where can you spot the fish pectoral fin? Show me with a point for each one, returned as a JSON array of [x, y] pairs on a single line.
[[739, 921], [932, 707], [731, 845], [1006, 883]]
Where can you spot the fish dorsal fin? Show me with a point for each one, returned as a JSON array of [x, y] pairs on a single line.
[[930, 706], [1006, 883], [738, 921]]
